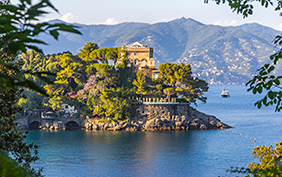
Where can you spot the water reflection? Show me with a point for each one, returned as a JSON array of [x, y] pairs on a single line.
[[86, 153], [191, 153]]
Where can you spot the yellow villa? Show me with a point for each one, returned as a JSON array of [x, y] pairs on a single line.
[[140, 57]]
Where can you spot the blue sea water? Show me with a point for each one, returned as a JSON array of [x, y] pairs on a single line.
[[206, 153]]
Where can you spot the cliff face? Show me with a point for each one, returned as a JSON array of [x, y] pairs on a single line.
[[161, 117]]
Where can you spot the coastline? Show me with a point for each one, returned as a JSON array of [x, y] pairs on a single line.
[[161, 122], [191, 119]]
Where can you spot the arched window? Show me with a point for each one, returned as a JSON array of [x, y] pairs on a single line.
[[136, 61], [143, 63]]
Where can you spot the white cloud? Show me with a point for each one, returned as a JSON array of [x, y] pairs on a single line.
[[70, 18], [226, 23], [110, 21], [279, 27], [165, 20]]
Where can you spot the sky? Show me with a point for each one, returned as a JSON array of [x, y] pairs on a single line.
[[153, 11]]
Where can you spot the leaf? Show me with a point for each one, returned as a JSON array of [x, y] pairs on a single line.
[[9, 8], [270, 69], [271, 95], [264, 100], [277, 82], [54, 33], [254, 90], [259, 105], [259, 89]]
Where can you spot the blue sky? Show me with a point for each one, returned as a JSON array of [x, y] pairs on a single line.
[[153, 11]]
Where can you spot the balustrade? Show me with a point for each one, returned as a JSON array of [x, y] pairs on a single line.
[[153, 100]]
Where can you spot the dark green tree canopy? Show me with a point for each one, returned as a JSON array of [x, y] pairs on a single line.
[[246, 7], [19, 30]]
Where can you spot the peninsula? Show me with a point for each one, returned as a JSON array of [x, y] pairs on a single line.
[[117, 89]]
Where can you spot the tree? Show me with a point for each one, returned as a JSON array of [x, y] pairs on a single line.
[[180, 78], [169, 91], [104, 92], [105, 54], [105, 77], [140, 83], [115, 104], [32, 100], [65, 82], [18, 31], [84, 53], [270, 162], [265, 81], [9, 167]]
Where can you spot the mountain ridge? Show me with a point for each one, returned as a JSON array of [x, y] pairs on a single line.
[[220, 55]]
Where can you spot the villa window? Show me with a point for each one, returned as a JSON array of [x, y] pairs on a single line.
[[143, 63]]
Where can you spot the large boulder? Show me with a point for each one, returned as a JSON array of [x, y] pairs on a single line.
[[150, 124], [194, 125], [203, 127], [153, 124], [178, 124], [95, 127]]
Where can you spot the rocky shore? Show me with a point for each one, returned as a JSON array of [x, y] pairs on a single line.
[[157, 122], [155, 119]]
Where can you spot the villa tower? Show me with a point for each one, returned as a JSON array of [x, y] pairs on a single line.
[[140, 58]]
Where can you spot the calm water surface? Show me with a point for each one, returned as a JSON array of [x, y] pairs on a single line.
[[183, 153]]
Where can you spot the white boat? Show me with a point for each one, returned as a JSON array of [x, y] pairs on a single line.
[[225, 93]]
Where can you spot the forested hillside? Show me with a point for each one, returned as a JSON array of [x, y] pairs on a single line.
[[104, 90], [220, 55]]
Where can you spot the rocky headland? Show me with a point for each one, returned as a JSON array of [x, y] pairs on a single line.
[[160, 122], [157, 117]]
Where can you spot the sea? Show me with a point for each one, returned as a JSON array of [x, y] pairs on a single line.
[[201, 153]]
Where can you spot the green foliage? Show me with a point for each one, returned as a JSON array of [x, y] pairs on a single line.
[[124, 74], [115, 105], [11, 139], [70, 78], [104, 91], [169, 91], [19, 28], [140, 83], [267, 81], [105, 54], [9, 167], [246, 7], [180, 78], [84, 53], [270, 162], [92, 54], [32, 100], [170, 73]]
